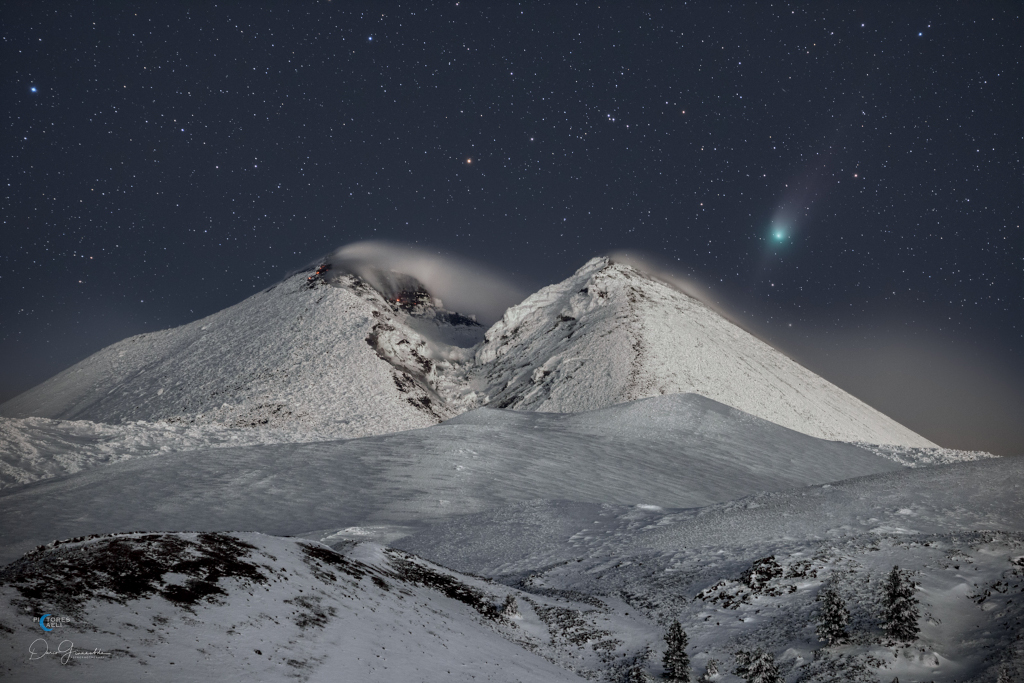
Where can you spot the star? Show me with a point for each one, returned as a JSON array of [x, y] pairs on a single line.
[[34, 89]]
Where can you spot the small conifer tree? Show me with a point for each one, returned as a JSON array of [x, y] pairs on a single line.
[[510, 608], [638, 671], [710, 672], [637, 674], [833, 616], [899, 607], [758, 667], [676, 661]]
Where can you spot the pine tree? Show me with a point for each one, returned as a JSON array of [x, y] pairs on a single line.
[[710, 672], [676, 661], [899, 607], [638, 671], [833, 616], [758, 667], [510, 608], [637, 674]]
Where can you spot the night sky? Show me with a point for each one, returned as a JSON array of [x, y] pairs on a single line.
[[845, 179]]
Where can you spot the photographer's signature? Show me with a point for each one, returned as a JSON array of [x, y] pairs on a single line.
[[65, 651]]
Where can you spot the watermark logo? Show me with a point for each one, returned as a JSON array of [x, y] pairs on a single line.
[[48, 622], [66, 651]]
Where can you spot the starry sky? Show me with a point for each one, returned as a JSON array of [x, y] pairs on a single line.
[[845, 178]]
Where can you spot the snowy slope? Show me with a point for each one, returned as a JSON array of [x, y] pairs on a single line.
[[248, 607], [958, 528], [672, 451], [611, 334], [595, 587], [34, 448], [303, 355]]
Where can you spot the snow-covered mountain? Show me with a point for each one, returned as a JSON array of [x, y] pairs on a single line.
[[304, 354], [552, 541], [330, 351], [610, 334]]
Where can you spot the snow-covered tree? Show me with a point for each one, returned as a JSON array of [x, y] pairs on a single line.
[[638, 671], [676, 661], [510, 608], [899, 607], [833, 616], [638, 674], [758, 667], [710, 672]]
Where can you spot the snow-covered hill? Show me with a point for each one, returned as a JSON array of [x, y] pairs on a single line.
[[595, 588], [248, 607], [304, 354], [670, 451], [745, 574], [334, 354], [611, 334]]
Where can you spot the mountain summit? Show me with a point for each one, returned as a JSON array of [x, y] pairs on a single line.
[[321, 350], [357, 355], [611, 333]]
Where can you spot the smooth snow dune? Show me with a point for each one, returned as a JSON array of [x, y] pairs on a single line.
[[944, 499], [671, 451], [291, 356], [611, 334]]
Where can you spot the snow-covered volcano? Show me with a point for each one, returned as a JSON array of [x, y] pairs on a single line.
[[534, 543], [308, 354], [358, 355], [611, 334]]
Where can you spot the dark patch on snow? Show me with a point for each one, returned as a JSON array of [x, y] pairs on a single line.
[[118, 568], [316, 556], [572, 627], [761, 578], [761, 572], [407, 570], [312, 612], [456, 319]]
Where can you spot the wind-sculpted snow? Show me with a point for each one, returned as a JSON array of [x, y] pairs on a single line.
[[36, 448], [982, 495], [672, 451], [575, 588], [610, 334]]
